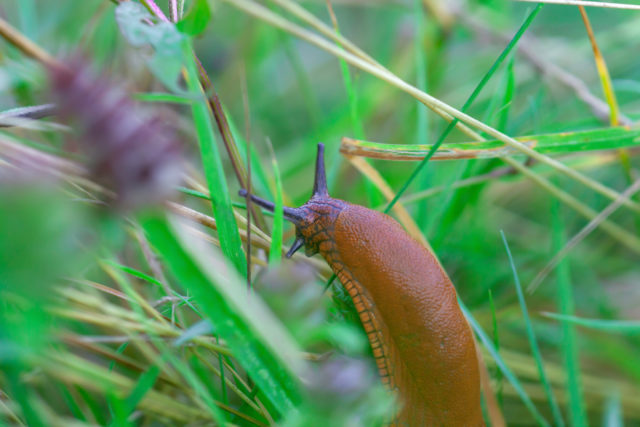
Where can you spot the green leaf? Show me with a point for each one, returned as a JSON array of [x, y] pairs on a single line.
[[135, 23], [166, 63], [196, 19]]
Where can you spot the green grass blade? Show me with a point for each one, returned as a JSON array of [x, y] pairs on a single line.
[[275, 250], [196, 19], [212, 163], [352, 96], [94, 407], [618, 326], [223, 382], [70, 401], [467, 104], [577, 412], [255, 338], [551, 143], [194, 193], [535, 350], [145, 383], [168, 98], [486, 341], [136, 273], [118, 410], [152, 280], [510, 84], [496, 343], [424, 181]]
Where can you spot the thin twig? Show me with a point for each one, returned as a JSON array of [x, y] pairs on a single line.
[[617, 232], [601, 65], [585, 3], [173, 10], [474, 180], [33, 112], [25, 45], [155, 9], [156, 268]]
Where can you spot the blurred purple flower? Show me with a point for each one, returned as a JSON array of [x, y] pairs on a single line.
[[128, 151]]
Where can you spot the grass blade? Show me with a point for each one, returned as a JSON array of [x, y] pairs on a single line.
[[577, 413], [603, 71], [467, 104], [552, 143], [275, 251], [144, 384], [535, 350], [257, 340], [257, 10], [496, 343], [213, 170], [619, 326], [484, 338]]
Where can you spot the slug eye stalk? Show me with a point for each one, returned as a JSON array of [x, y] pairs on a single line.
[[320, 181], [299, 216], [292, 214]]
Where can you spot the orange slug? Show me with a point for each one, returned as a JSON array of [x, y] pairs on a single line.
[[421, 341]]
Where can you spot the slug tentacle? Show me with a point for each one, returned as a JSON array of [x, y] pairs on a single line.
[[314, 219], [320, 183], [292, 214], [299, 242]]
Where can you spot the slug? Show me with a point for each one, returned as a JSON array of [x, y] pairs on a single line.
[[421, 341]]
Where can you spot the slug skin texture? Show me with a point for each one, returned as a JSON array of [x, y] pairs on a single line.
[[421, 341]]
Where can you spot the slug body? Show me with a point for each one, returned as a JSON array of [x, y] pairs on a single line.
[[420, 340]]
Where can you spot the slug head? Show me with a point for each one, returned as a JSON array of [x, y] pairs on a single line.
[[314, 220]]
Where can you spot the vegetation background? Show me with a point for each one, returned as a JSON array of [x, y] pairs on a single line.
[[117, 313]]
